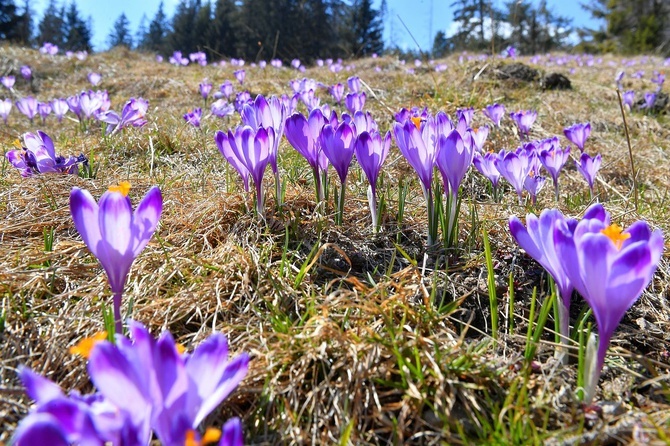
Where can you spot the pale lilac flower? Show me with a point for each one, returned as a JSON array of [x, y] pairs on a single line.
[[44, 110], [304, 135], [94, 78], [371, 150], [514, 167], [39, 156], [589, 167], [578, 134], [649, 100], [226, 88], [27, 106], [485, 164], [354, 83], [295, 63], [240, 75], [133, 114], [628, 98], [5, 109], [553, 159], [533, 184], [26, 72], [8, 81], [222, 108], [205, 87], [478, 136], [60, 108], [524, 119], [494, 112], [337, 91], [355, 101]]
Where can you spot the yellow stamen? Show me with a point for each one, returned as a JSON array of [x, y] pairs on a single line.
[[180, 348], [85, 346], [212, 435], [123, 188], [417, 122], [17, 144], [614, 233]]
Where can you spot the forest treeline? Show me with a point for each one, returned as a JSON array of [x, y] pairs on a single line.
[[311, 29]]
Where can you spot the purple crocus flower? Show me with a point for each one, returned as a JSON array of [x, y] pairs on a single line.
[[114, 233], [418, 148], [524, 120], [44, 110], [453, 159], [242, 98], [226, 88], [578, 134], [553, 159], [534, 183], [371, 151], [514, 167], [609, 268], [226, 145], [354, 83], [27, 106], [628, 98], [363, 122], [658, 79], [337, 91], [338, 145], [465, 114], [252, 148], [304, 135], [495, 113], [240, 75], [479, 136], [537, 239], [26, 72], [74, 105], [5, 109], [485, 164], [295, 63], [205, 87], [191, 385], [649, 100], [589, 167], [355, 102], [60, 108], [8, 81], [94, 78], [193, 117], [39, 156], [268, 113]]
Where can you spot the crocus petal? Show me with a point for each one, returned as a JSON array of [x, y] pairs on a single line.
[[39, 388], [232, 434], [84, 212], [146, 217], [40, 429]]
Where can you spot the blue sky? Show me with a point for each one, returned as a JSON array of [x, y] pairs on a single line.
[[423, 17]]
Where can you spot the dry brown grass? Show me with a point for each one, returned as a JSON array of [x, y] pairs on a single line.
[[333, 356]]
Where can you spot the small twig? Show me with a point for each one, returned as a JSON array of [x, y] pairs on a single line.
[[630, 151]]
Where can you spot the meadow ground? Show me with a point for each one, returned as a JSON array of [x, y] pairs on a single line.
[[355, 338]]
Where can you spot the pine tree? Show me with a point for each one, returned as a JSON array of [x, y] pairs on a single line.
[[120, 34], [367, 29], [440, 45], [184, 35], [141, 32], [155, 38], [77, 32], [52, 26], [8, 20], [223, 34]]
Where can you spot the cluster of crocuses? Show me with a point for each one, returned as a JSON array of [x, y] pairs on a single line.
[[144, 387], [38, 156], [628, 97], [86, 105], [608, 266]]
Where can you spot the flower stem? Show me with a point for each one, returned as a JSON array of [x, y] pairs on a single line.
[[117, 313], [372, 202]]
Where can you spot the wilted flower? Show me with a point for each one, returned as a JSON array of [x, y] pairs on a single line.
[[27, 106], [610, 268], [193, 117], [589, 167], [39, 156], [578, 134], [8, 81], [494, 112], [5, 109], [114, 233]]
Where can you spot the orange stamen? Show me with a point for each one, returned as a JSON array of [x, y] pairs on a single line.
[[212, 435], [614, 233], [190, 438], [123, 188], [180, 348], [417, 122], [85, 346]]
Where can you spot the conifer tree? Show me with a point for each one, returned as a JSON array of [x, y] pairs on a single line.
[[52, 26], [77, 31], [155, 38], [120, 34]]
